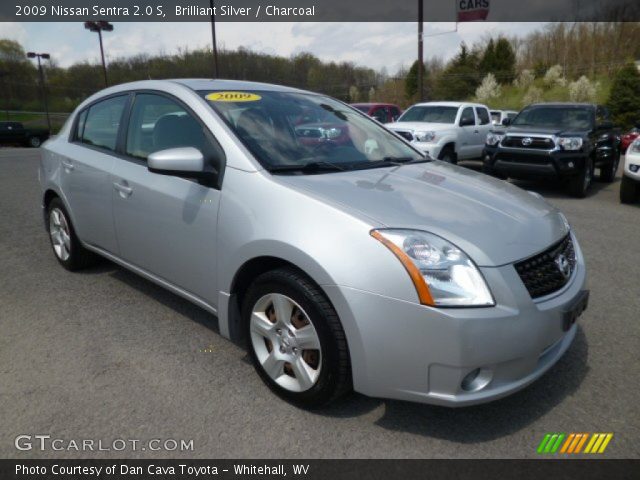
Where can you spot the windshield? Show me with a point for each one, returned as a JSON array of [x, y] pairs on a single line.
[[430, 114], [565, 117], [287, 131]]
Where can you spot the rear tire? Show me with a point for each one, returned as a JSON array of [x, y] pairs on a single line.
[[283, 312], [448, 154], [579, 185], [34, 142], [628, 190], [66, 247]]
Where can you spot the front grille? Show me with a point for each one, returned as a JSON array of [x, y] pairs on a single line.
[[405, 134], [526, 142], [550, 270], [524, 157]]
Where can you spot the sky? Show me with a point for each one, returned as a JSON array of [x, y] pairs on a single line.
[[375, 45]]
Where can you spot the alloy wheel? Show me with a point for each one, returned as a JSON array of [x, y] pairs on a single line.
[[60, 234], [285, 342]]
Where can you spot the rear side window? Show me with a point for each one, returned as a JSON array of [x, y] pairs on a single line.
[[483, 116], [380, 114], [82, 119], [102, 123]]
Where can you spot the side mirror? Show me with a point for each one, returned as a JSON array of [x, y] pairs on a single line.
[[506, 122], [465, 122], [180, 162]]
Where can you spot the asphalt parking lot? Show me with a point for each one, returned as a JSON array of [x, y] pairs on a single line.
[[104, 354]]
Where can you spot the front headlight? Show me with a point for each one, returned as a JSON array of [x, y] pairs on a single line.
[[425, 136], [635, 146], [494, 139], [570, 143], [444, 276]]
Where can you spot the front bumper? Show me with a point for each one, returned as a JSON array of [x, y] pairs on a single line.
[[407, 351], [431, 149], [520, 163]]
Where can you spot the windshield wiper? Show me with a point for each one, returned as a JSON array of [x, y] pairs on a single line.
[[405, 160], [310, 167]]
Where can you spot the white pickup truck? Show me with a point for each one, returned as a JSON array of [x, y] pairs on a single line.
[[448, 131]]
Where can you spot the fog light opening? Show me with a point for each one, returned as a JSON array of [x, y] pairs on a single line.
[[476, 380]]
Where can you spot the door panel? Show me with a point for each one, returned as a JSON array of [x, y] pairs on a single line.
[[166, 224], [467, 136]]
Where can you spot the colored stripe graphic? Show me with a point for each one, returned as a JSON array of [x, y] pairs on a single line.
[[573, 443]]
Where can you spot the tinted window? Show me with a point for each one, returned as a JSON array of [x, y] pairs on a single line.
[[483, 116], [158, 123], [430, 114], [467, 115], [102, 122], [380, 114], [82, 118], [395, 113]]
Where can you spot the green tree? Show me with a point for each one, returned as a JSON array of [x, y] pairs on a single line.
[[461, 77], [505, 61], [488, 61], [624, 97], [411, 80]]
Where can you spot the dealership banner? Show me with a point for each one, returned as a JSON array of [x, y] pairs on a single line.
[[319, 469], [317, 10]]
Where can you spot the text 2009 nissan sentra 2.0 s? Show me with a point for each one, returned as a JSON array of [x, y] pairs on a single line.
[[343, 256]]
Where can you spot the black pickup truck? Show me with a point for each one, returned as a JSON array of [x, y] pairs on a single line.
[[15, 133], [555, 140]]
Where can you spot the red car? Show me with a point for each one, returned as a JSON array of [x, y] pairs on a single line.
[[382, 112], [628, 138]]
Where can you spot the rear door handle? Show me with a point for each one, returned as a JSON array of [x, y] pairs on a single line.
[[67, 165], [124, 190]]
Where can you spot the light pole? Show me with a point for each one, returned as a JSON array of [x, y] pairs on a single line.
[[99, 27], [420, 54], [213, 39], [45, 56]]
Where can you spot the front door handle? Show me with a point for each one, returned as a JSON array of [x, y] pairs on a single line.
[[476, 131], [67, 165], [123, 189]]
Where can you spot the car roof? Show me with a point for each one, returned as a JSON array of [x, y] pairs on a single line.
[[449, 104], [218, 84]]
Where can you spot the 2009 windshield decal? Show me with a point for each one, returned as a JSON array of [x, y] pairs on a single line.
[[233, 97]]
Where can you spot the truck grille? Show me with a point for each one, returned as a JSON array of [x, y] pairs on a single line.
[[526, 142], [550, 270], [405, 134]]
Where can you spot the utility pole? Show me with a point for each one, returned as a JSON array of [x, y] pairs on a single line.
[[99, 27], [213, 39], [46, 56], [420, 52], [3, 75]]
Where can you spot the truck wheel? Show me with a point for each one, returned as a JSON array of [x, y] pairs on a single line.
[[295, 339], [66, 246], [608, 172], [579, 185], [34, 142], [447, 154], [628, 190]]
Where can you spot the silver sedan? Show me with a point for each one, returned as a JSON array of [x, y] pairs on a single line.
[[344, 257]]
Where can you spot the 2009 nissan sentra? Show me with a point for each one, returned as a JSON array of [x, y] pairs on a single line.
[[344, 257]]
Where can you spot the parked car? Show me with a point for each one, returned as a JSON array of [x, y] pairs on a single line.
[[15, 133], [630, 185], [382, 112], [449, 131], [363, 265], [628, 138], [556, 140], [498, 116]]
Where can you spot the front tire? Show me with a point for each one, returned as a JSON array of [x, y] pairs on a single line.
[[64, 241], [579, 185], [608, 172], [34, 142], [295, 339], [448, 155], [628, 190]]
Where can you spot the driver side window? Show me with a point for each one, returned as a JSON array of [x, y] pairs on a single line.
[[467, 117]]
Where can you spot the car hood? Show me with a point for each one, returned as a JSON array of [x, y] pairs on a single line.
[[420, 126], [493, 221], [543, 131]]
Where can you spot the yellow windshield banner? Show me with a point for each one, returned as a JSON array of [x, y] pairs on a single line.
[[233, 97]]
